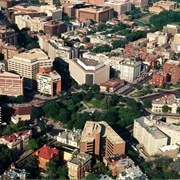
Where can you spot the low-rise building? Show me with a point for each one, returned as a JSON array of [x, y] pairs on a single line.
[[46, 154], [132, 173], [17, 141], [149, 135], [170, 100], [22, 112], [79, 165], [129, 70], [169, 150], [111, 85], [95, 13], [140, 3], [118, 163], [89, 71], [71, 138], [48, 81], [11, 84]]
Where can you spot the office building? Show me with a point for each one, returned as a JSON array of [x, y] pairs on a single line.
[[95, 2], [11, 84], [129, 70], [79, 165], [89, 71], [27, 65], [150, 136], [171, 29], [139, 3], [99, 139], [48, 81], [71, 138], [96, 14], [173, 70], [119, 7]]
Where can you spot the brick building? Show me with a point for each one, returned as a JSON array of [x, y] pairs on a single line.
[[11, 84], [79, 165], [99, 139], [159, 78], [46, 154], [54, 28], [96, 14], [5, 3], [48, 81], [173, 70]]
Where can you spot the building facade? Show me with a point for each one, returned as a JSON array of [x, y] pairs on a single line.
[[140, 3], [96, 14], [159, 78], [27, 65], [171, 29], [79, 165], [48, 81], [89, 71], [46, 154], [173, 71], [11, 84], [101, 140], [71, 138], [129, 70], [120, 7], [149, 135]]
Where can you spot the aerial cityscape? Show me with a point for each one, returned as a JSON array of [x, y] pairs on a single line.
[[90, 89]]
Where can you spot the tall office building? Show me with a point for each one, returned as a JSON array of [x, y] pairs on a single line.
[[88, 71], [99, 139], [27, 65]]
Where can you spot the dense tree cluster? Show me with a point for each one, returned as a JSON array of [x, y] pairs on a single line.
[[164, 18]]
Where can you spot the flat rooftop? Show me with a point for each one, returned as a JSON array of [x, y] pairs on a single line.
[[94, 10], [101, 128], [9, 75], [130, 63], [168, 99], [33, 54], [169, 126], [169, 148]]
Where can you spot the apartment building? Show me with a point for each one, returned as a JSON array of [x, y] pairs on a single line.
[[118, 163], [27, 65], [96, 14], [140, 3], [54, 28], [129, 70], [8, 35], [166, 5], [169, 100], [89, 71], [11, 84], [45, 155], [171, 29], [56, 49], [71, 138], [159, 78], [48, 81], [149, 135], [17, 141], [99, 139], [172, 131], [79, 165], [173, 70], [112, 61], [120, 7]]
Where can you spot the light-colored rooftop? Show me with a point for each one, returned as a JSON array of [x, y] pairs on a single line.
[[31, 55], [169, 126], [100, 127], [169, 148], [168, 99], [94, 10], [10, 75], [130, 63]]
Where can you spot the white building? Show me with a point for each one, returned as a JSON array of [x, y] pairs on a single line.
[[129, 70], [71, 138]]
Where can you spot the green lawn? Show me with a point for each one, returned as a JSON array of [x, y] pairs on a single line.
[[94, 103]]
